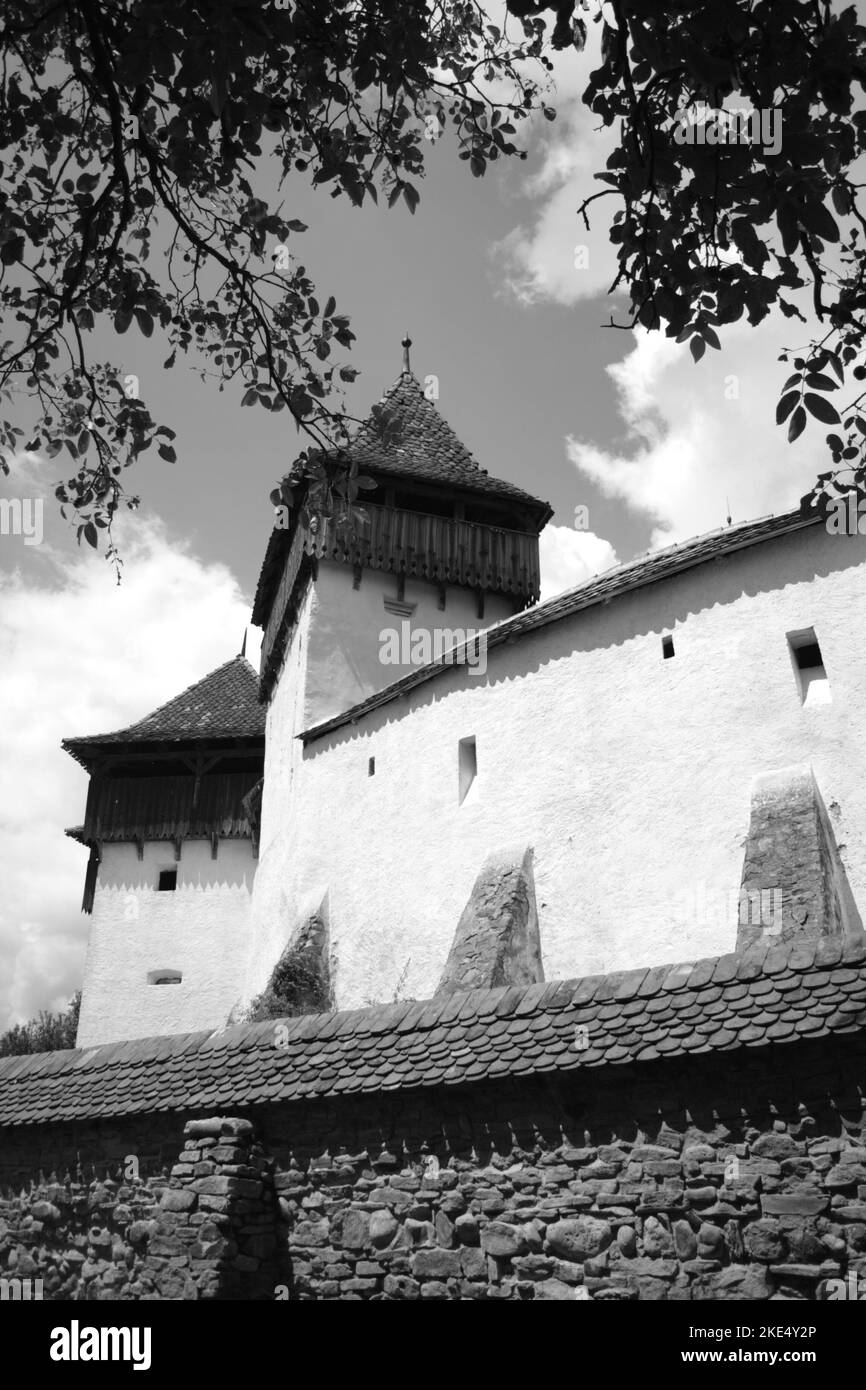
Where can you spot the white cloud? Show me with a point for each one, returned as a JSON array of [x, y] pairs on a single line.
[[702, 436], [697, 437], [80, 654], [568, 557], [554, 255]]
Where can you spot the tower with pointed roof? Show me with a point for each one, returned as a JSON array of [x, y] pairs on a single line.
[[447, 550], [171, 823], [445, 546]]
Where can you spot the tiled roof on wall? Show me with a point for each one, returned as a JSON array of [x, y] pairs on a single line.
[[224, 704], [620, 579], [760, 998]]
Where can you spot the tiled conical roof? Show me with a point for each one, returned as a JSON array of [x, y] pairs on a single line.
[[425, 447], [224, 704]]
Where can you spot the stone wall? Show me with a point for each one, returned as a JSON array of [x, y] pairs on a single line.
[[720, 1178], [202, 1227], [727, 1176]]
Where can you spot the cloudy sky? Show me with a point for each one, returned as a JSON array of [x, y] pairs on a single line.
[[484, 279]]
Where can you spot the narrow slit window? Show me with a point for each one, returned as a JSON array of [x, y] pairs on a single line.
[[371, 767], [809, 669], [164, 977], [167, 880], [667, 647], [467, 767]]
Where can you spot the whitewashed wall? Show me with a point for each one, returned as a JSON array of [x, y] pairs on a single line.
[[344, 664], [629, 775], [332, 663], [200, 929]]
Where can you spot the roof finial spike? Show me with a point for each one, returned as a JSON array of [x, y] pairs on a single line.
[[728, 509], [244, 644], [406, 344]]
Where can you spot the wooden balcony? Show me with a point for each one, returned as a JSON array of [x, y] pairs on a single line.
[[439, 549], [168, 808]]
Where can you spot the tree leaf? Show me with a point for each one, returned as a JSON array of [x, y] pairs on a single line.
[[797, 425], [821, 408], [821, 382], [697, 347], [786, 405], [122, 320]]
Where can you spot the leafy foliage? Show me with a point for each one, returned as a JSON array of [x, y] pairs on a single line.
[[46, 1033], [709, 231], [135, 128], [135, 136]]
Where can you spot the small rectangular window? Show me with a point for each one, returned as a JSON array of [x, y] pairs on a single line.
[[809, 670], [167, 880], [164, 977], [467, 767], [371, 767], [667, 647]]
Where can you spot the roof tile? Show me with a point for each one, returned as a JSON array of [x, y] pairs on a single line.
[[448, 1041], [224, 704]]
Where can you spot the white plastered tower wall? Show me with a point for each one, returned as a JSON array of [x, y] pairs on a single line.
[[171, 824], [627, 773], [200, 931], [442, 552], [332, 662], [347, 623]]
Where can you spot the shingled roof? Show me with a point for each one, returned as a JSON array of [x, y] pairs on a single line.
[[425, 447], [760, 998], [224, 704], [620, 579]]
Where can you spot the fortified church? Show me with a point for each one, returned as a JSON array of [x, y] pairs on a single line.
[[660, 765]]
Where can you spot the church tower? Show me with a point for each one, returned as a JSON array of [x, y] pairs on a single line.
[[172, 828], [446, 547], [447, 550]]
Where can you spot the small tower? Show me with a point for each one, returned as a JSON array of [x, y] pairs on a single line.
[[447, 550], [446, 547], [172, 827]]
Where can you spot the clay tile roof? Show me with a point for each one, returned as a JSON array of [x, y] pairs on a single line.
[[225, 704], [425, 446], [718, 1004]]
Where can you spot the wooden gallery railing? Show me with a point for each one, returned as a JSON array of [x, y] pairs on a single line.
[[411, 543]]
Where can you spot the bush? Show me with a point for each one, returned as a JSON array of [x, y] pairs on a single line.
[[46, 1033]]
